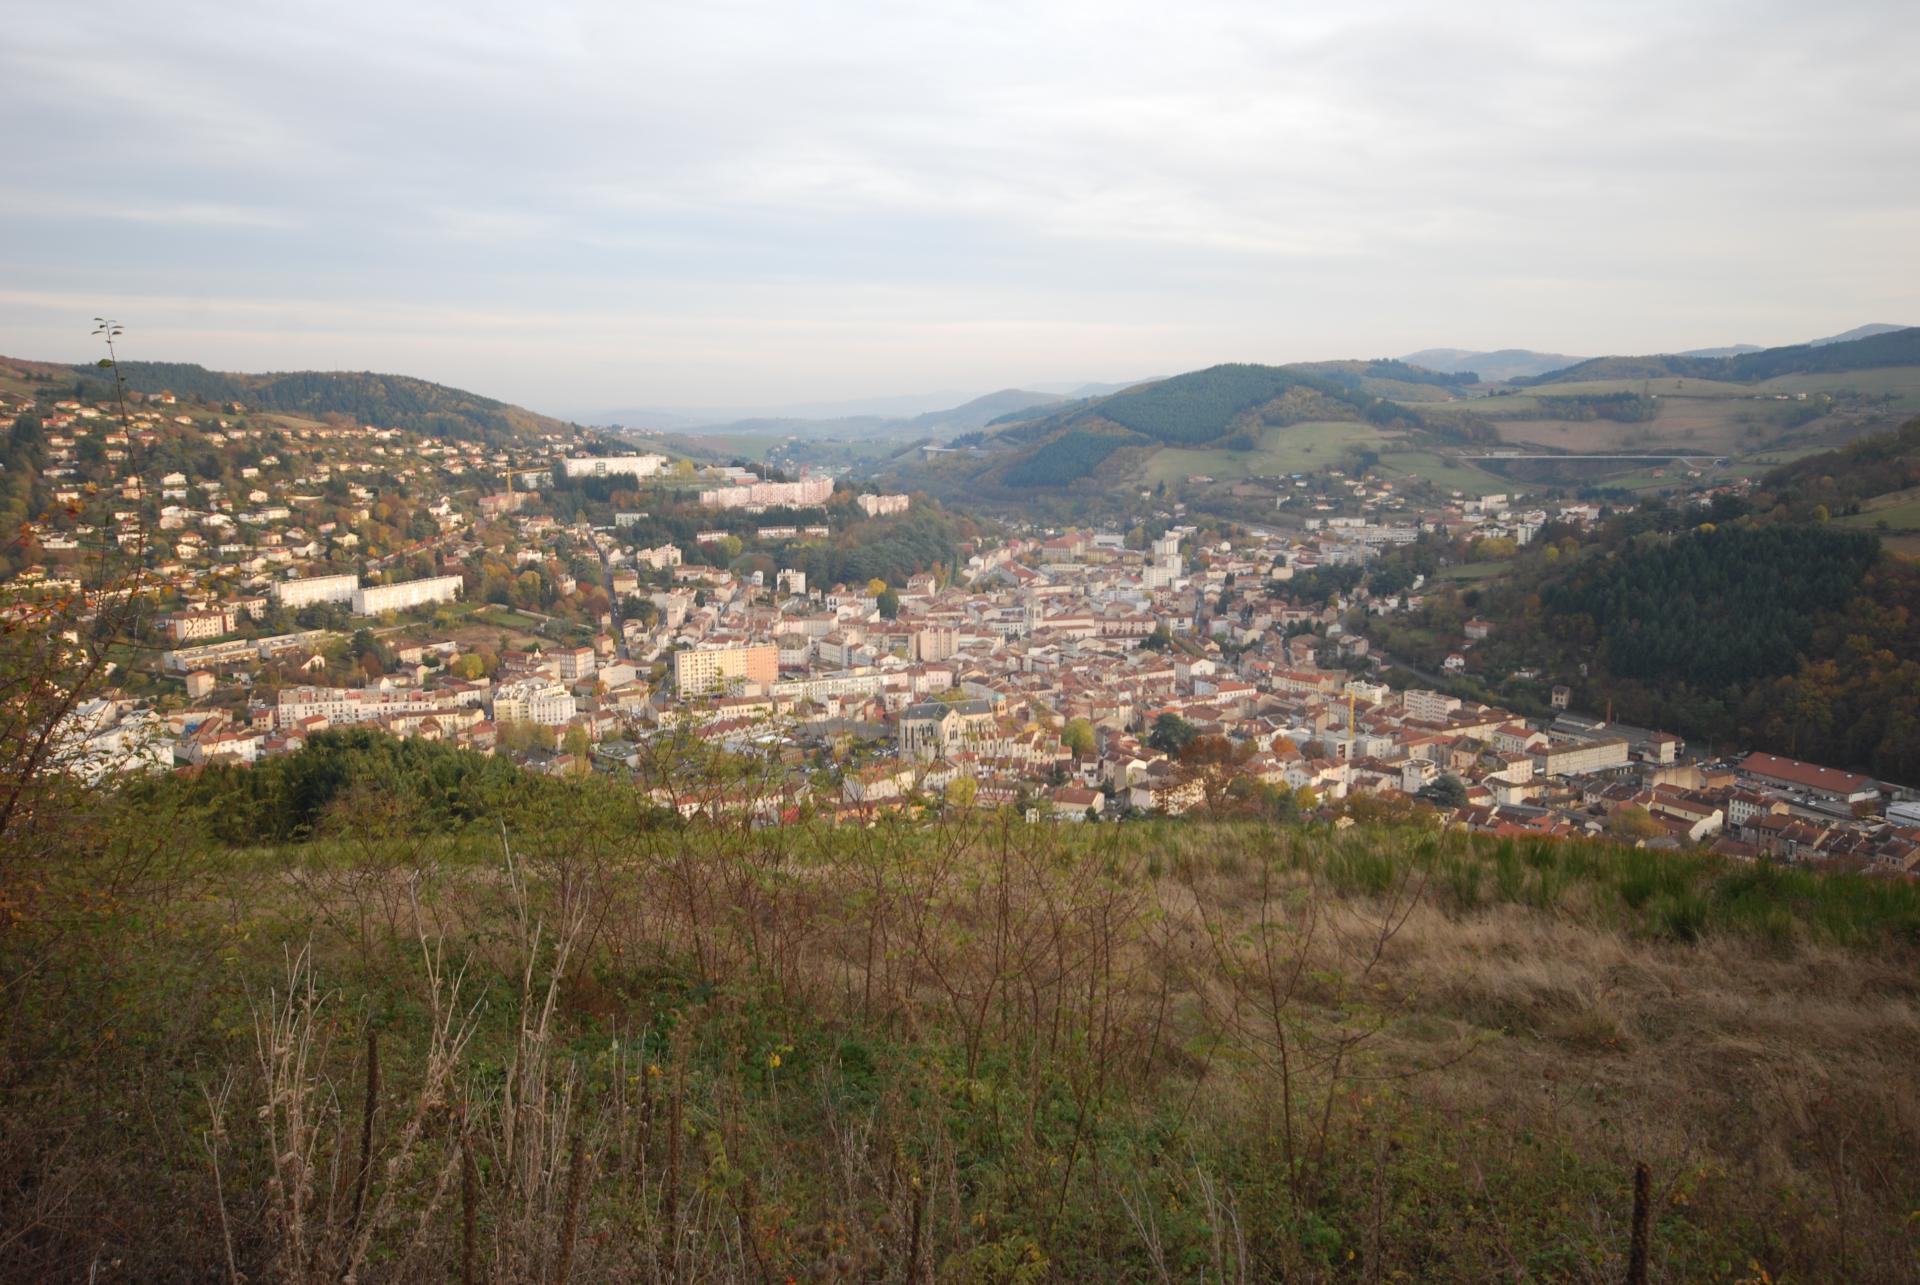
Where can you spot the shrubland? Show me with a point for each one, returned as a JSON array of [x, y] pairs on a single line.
[[451, 1025]]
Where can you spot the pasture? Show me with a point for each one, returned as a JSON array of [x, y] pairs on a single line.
[[1293, 448]]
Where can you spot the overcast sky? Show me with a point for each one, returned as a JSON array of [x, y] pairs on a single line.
[[582, 206]]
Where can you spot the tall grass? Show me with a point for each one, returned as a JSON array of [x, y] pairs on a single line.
[[970, 1050]]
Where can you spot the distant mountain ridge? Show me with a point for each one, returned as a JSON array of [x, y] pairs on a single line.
[[1889, 347], [1497, 366], [1513, 365], [946, 421], [982, 411], [385, 401], [1867, 331]]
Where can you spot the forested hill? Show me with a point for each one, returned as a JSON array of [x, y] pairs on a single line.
[[1839, 480], [1802, 638], [385, 401], [1715, 608], [1892, 348]]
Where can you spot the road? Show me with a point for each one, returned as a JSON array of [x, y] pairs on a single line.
[[613, 600]]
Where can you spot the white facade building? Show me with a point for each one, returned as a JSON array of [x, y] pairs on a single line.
[[295, 594], [374, 599], [533, 701], [808, 490], [615, 466]]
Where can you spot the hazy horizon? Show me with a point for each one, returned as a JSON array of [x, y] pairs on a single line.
[[751, 205]]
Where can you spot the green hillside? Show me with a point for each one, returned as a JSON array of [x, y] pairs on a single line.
[[1226, 423], [1191, 409], [1840, 480], [385, 401]]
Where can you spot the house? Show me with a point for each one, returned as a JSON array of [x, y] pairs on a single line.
[[880, 783], [1071, 803], [1163, 788]]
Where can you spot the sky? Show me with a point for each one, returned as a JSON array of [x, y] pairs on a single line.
[[748, 203]]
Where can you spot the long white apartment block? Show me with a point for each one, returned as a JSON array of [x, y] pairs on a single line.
[[615, 465], [295, 594], [374, 599]]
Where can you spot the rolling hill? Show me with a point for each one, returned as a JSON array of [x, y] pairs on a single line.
[[386, 401], [1236, 419], [1643, 424]]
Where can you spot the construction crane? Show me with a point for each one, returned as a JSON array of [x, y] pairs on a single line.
[[512, 473]]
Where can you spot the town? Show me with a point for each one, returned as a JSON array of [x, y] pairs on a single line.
[[584, 611]]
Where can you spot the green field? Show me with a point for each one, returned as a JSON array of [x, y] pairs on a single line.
[[1443, 472], [1672, 387], [1473, 571], [507, 618], [1899, 511], [1296, 448], [1900, 382]]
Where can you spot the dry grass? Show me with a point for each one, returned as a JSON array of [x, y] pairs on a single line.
[[977, 1050]]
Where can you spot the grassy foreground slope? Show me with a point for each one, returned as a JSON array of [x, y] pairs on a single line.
[[480, 1029]]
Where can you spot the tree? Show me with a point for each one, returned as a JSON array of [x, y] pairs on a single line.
[[889, 604], [577, 744], [1445, 791], [1078, 736], [1170, 734], [1633, 822], [876, 587]]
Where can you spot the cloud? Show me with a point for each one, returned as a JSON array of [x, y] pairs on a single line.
[[779, 201]]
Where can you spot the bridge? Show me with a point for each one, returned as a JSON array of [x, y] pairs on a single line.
[[1571, 455]]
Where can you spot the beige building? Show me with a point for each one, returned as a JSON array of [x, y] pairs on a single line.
[[706, 669], [1579, 758], [935, 642]]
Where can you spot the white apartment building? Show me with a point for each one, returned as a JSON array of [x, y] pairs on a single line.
[[881, 505], [819, 687], [807, 491], [374, 599], [615, 466], [295, 594], [343, 705], [533, 701], [660, 557], [1429, 707]]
